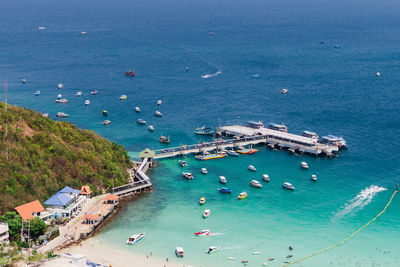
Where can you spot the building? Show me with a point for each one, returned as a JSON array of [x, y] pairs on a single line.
[[31, 210], [4, 235], [65, 202], [111, 199], [86, 191]]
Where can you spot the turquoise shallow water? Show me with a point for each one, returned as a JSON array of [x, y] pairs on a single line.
[[330, 91]]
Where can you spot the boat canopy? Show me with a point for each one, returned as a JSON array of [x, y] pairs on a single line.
[[277, 127], [308, 133], [255, 124], [331, 138]]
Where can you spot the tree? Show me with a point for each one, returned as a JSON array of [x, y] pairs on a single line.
[[14, 224], [37, 227]]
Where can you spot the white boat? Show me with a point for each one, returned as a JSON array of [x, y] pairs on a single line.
[[106, 122], [59, 96], [46, 115], [94, 92], [83, 32], [37, 92], [284, 91], [206, 213], [87, 102], [179, 252], [151, 128], [378, 74], [23, 80], [62, 100], [133, 239], [187, 175], [255, 183], [222, 179], [78, 93], [137, 109], [62, 114], [288, 186], [60, 86], [252, 168], [159, 102], [42, 28], [213, 249], [266, 178], [157, 113], [314, 177], [304, 165], [204, 171]]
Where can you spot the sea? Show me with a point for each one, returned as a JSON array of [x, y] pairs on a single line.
[[326, 53]]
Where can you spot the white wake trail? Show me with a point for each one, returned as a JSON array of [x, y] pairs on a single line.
[[206, 76]]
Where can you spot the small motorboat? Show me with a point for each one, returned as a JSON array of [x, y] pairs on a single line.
[[182, 163], [46, 115], [314, 177], [225, 190], [289, 256], [157, 113], [222, 179], [83, 32], [204, 131], [266, 178], [130, 73], [151, 128], [378, 74], [63, 100], [123, 97], [42, 28], [62, 115], [187, 175], [105, 113], [206, 213], [232, 153], [211, 33], [179, 252], [203, 233], [159, 102], [187, 68], [59, 96], [284, 91], [60, 86], [255, 75], [304, 165], [87, 102], [288, 186], [106, 122], [23, 80], [252, 168], [242, 195], [78, 93], [204, 171], [141, 122], [37, 93], [133, 239], [245, 262], [137, 109], [164, 139], [213, 249], [271, 259], [202, 200], [94, 92], [255, 183]]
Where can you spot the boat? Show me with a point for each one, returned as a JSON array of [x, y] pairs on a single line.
[[255, 124], [206, 213], [130, 73], [106, 122], [334, 140], [231, 258], [157, 113], [251, 168], [304, 165], [23, 80], [202, 200], [133, 239], [59, 96], [182, 163], [211, 33], [62, 100], [204, 171], [310, 135], [266, 178], [159, 102], [78, 93], [179, 252], [94, 92], [225, 190], [105, 113], [289, 256], [314, 177], [210, 156], [141, 122], [204, 131], [46, 115], [271, 259], [378, 74], [213, 249], [62, 115], [284, 91], [83, 32], [123, 97], [242, 195], [42, 28], [187, 175], [247, 151], [288, 186], [60, 86], [87, 102], [255, 75], [203, 233], [232, 153], [151, 128], [37, 92], [222, 179], [278, 127], [164, 139], [255, 183], [187, 68], [137, 109]]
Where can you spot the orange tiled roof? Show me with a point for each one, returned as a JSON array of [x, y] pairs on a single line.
[[91, 217], [112, 197], [85, 190], [26, 211]]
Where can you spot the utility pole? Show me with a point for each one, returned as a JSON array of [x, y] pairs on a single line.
[[6, 136]]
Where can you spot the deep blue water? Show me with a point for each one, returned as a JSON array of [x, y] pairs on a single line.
[[331, 90]]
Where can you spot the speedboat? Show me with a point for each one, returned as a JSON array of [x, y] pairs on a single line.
[[225, 190], [130, 73], [23, 80], [203, 233], [182, 163], [242, 195], [255, 183], [256, 75], [62, 100], [304, 165], [204, 171], [252, 168], [164, 139], [137, 109], [133, 239], [59, 96], [202, 200], [105, 113], [42, 28], [151, 128], [62, 115], [87, 102], [204, 131], [157, 113], [60, 86], [106, 122], [123, 97], [222, 179], [314, 177], [78, 93], [284, 91], [187, 175], [206, 213], [83, 32], [378, 74], [288, 186], [37, 92], [179, 252], [187, 68], [141, 122], [159, 102], [94, 92], [266, 178], [213, 249], [232, 153], [271, 259]]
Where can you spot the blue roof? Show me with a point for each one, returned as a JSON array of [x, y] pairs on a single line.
[[68, 190], [62, 197]]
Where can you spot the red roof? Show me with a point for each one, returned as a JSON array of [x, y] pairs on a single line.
[[91, 217], [26, 211], [112, 197], [85, 190]]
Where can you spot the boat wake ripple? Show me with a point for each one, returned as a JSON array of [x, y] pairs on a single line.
[[205, 76], [216, 234], [359, 202]]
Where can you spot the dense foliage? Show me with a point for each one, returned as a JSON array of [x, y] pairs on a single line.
[[14, 224], [46, 155]]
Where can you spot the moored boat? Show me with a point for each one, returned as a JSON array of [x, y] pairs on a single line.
[[206, 213], [288, 186], [133, 239], [105, 113], [242, 195], [62, 100], [141, 122], [123, 97], [60, 86], [187, 175], [179, 252], [334, 140], [255, 183], [225, 190], [266, 178], [204, 131], [210, 156], [78, 93], [304, 165], [130, 73], [37, 93], [59, 96], [204, 171], [247, 151], [251, 168], [278, 127], [213, 249], [23, 80], [314, 177], [182, 163], [203, 233], [94, 92], [164, 139], [137, 109], [232, 153], [159, 102], [222, 179], [310, 135], [284, 91], [106, 122], [62, 115], [202, 200], [158, 113], [151, 128], [87, 102]]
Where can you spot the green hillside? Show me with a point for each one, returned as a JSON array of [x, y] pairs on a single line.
[[46, 155]]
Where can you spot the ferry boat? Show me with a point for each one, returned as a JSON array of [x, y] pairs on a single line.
[[225, 190], [314, 177], [130, 73], [278, 127], [304, 165], [151, 128], [213, 249], [59, 96], [141, 122], [94, 92], [137, 109], [62, 115], [105, 113], [187, 175], [62, 100], [157, 113], [310, 135], [60, 86], [123, 97], [78, 93], [203, 233], [242, 195], [222, 179], [37, 93], [284, 91], [179, 252], [202, 201], [106, 122], [204, 171], [251, 168], [204, 131], [255, 183], [87, 102], [255, 124], [206, 213], [288, 186], [247, 151], [164, 139], [334, 140], [266, 178], [133, 239], [210, 156], [182, 163], [159, 102]]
